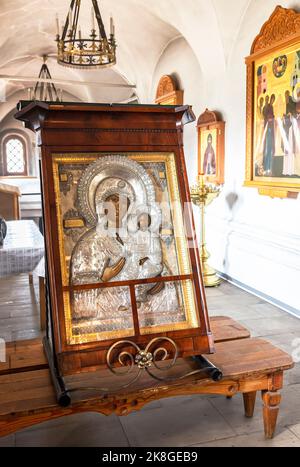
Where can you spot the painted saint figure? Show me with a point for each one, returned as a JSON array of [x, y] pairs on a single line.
[[269, 142], [125, 245], [260, 137], [209, 162]]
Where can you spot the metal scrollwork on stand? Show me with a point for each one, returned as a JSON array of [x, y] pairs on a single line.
[[122, 362], [143, 360]]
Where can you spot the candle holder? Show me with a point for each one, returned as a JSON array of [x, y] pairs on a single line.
[[74, 49], [202, 195]]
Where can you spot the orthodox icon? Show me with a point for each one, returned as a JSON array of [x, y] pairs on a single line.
[[277, 118], [123, 277], [209, 140], [273, 108], [211, 137], [127, 230]]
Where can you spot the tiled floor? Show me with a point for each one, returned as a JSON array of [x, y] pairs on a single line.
[[185, 421]]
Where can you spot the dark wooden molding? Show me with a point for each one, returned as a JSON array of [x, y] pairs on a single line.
[[116, 130]]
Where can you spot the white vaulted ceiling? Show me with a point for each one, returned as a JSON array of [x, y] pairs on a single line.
[[28, 30], [202, 43], [143, 28]]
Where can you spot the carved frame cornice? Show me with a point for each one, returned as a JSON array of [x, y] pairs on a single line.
[[167, 92]]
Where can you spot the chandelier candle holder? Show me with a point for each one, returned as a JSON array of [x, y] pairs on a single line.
[[202, 195], [45, 90], [77, 51]]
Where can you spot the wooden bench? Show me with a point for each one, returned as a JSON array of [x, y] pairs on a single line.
[[249, 365]]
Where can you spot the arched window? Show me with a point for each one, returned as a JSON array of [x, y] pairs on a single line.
[[15, 157]]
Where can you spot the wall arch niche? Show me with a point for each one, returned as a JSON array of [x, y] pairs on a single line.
[[179, 61], [14, 155], [12, 129]]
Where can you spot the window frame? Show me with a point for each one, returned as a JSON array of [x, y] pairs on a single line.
[[6, 139]]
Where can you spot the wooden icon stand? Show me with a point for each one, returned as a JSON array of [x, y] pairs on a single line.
[[83, 146]]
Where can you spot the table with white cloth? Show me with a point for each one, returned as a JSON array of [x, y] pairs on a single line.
[[22, 253], [22, 250]]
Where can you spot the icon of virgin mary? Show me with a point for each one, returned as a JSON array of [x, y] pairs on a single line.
[[116, 196]]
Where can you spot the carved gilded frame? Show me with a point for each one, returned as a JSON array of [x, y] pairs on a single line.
[[210, 122], [282, 30], [184, 264]]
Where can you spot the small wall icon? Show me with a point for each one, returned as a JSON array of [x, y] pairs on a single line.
[[2, 351]]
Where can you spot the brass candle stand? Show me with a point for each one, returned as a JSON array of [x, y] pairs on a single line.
[[202, 195]]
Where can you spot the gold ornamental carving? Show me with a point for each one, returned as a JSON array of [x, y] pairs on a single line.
[[167, 92], [284, 23]]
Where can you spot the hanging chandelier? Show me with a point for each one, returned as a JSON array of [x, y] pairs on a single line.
[[75, 51], [44, 89]]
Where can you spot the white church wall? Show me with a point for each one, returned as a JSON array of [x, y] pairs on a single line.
[[179, 60], [254, 240], [258, 241]]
